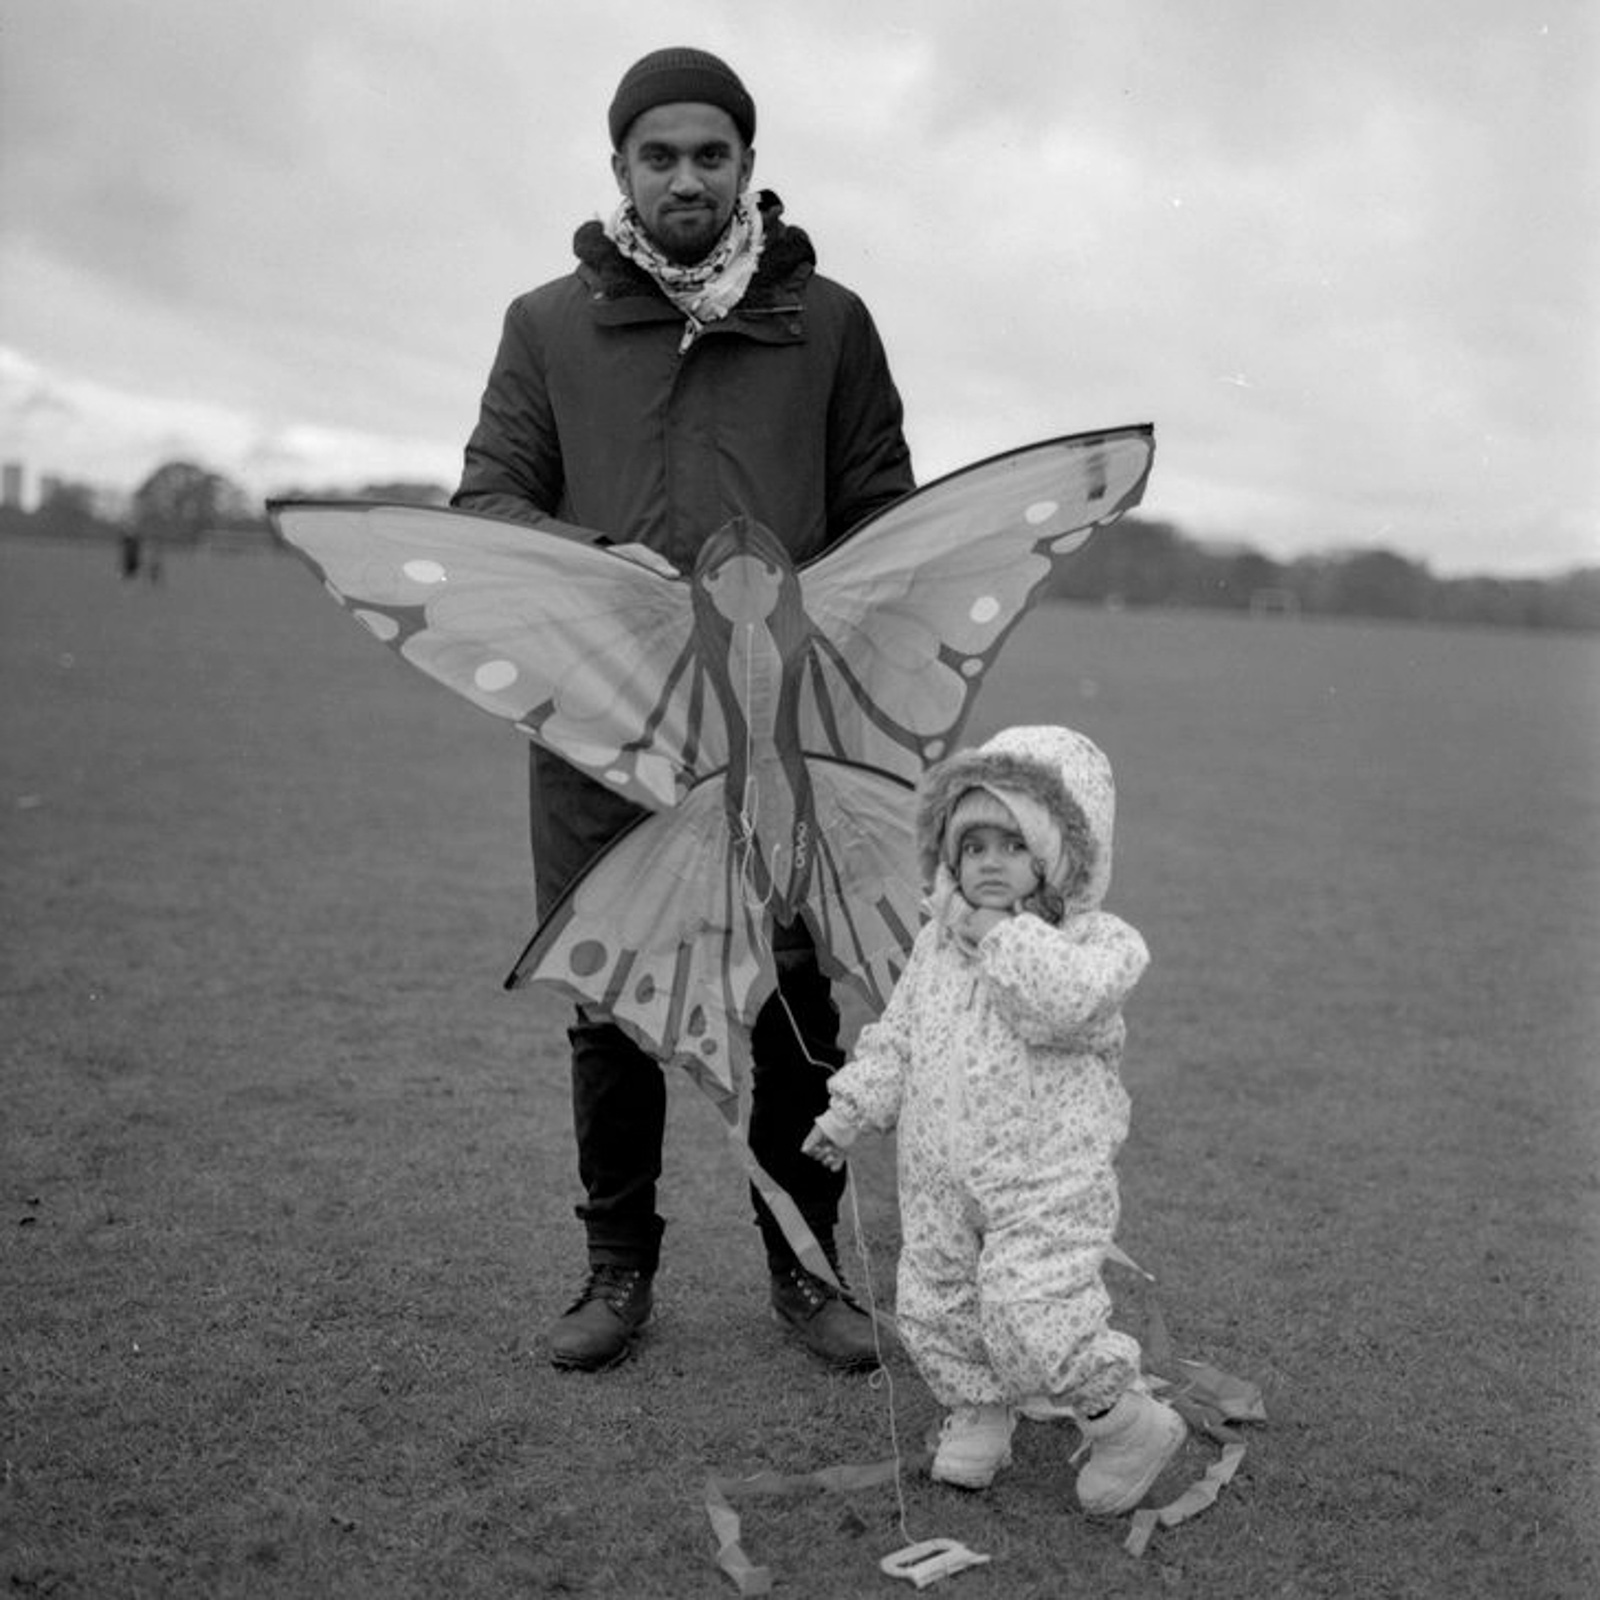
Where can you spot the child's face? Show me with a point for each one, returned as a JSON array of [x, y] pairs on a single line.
[[994, 868]]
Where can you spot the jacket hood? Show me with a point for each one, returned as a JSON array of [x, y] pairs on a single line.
[[787, 260], [1055, 781]]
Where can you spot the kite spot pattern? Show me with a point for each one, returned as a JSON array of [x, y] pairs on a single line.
[[587, 958], [420, 571], [493, 676]]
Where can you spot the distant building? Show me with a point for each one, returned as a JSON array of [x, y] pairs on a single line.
[[11, 485], [1273, 600]]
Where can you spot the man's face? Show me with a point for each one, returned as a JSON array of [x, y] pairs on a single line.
[[683, 166]]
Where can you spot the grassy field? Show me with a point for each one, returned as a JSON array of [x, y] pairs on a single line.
[[285, 1177]]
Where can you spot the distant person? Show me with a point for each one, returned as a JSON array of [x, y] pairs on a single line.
[[694, 367], [128, 554], [998, 1059]]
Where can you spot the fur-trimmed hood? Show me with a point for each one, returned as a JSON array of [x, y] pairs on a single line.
[[1061, 778]]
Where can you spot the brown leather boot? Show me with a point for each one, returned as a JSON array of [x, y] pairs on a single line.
[[827, 1322], [599, 1328]]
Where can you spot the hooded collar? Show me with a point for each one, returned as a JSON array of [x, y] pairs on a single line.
[[787, 261]]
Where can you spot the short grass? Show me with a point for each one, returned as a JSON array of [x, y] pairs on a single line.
[[285, 1178]]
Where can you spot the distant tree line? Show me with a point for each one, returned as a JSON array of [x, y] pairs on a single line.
[[1148, 563], [180, 503], [1142, 563]]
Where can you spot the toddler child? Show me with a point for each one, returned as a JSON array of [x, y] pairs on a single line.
[[997, 1058]]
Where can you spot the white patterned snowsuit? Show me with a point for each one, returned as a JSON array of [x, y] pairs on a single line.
[[1000, 1069]]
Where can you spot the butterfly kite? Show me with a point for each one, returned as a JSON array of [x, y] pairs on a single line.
[[772, 721]]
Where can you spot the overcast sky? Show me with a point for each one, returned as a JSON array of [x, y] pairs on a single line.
[[1342, 253]]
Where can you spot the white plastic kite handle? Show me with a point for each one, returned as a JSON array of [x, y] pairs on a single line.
[[928, 1560]]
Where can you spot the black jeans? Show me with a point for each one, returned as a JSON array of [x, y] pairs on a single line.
[[619, 1105]]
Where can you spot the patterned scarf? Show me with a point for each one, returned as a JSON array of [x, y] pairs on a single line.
[[705, 291]]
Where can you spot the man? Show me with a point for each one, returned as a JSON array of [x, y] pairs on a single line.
[[692, 368]]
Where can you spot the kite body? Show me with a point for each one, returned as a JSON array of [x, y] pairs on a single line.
[[772, 720]]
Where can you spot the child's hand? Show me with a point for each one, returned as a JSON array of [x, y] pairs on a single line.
[[975, 921], [982, 919], [821, 1148]]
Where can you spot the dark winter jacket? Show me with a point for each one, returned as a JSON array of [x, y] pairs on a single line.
[[783, 411]]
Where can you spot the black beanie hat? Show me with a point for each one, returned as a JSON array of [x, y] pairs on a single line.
[[665, 77]]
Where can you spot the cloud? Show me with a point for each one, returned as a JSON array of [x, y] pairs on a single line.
[[1338, 254], [122, 436]]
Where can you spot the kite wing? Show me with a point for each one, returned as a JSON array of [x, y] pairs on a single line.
[[663, 934], [656, 935], [911, 609], [584, 650], [864, 894]]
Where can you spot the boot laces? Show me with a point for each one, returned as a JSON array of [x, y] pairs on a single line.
[[613, 1284], [817, 1292]]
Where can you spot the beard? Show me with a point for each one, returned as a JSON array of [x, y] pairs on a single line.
[[687, 234]]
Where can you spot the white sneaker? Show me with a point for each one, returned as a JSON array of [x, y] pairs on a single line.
[[1128, 1447], [974, 1444]]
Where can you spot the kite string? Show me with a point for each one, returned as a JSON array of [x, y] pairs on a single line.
[[757, 902], [882, 1377]]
